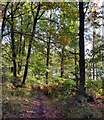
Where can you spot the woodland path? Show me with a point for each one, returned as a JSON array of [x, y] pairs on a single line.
[[41, 108]]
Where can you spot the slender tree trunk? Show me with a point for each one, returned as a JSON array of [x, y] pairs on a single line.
[[96, 71], [103, 68], [30, 44], [4, 19], [48, 51], [81, 89], [20, 52], [23, 48], [76, 71], [62, 62], [47, 60], [89, 78], [93, 64], [13, 43]]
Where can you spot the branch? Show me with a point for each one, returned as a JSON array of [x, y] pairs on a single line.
[[17, 7], [21, 14], [49, 20], [18, 32], [3, 23], [87, 7], [41, 15], [73, 53]]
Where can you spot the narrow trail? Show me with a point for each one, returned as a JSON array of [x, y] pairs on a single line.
[[41, 108], [38, 108]]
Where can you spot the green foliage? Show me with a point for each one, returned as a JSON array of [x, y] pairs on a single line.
[[59, 87], [68, 82], [61, 80], [23, 24], [95, 86]]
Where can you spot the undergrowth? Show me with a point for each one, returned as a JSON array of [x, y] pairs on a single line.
[[12, 99]]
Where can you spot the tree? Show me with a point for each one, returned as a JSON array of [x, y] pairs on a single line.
[[94, 17], [48, 49], [13, 43], [62, 61], [35, 18], [81, 89]]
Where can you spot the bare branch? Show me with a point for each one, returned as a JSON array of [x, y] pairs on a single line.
[[49, 20]]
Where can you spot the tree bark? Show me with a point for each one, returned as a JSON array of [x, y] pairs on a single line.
[[4, 19], [62, 62], [20, 51], [93, 63], [47, 60], [76, 71], [48, 51], [81, 90], [13, 43]]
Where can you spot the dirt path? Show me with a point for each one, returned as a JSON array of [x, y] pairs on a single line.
[[41, 108], [38, 108]]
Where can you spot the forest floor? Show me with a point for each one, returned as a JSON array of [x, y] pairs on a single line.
[[38, 105], [41, 108], [19, 105]]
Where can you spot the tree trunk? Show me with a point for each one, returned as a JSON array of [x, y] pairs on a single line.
[[4, 20], [20, 51], [62, 62], [103, 68], [93, 64], [48, 49], [89, 78], [81, 90], [47, 60], [30, 44], [13, 44], [23, 48], [76, 71], [48, 52]]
